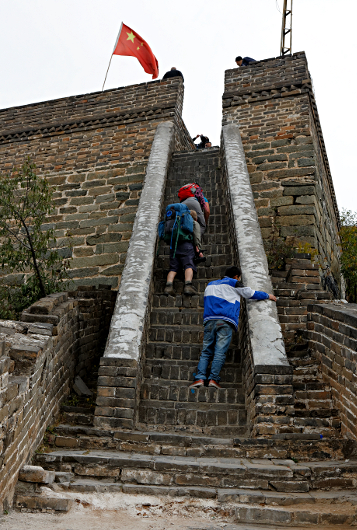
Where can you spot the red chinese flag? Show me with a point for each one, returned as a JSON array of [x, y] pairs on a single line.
[[130, 43]]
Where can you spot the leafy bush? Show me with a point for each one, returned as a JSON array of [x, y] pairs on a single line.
[[28, 245]]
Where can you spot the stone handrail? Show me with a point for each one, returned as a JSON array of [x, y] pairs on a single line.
[[128, 321], [267, 346]]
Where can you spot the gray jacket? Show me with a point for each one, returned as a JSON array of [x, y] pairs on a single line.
[[193, 204]]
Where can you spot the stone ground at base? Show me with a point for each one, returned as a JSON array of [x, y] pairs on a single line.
[[80, 518]]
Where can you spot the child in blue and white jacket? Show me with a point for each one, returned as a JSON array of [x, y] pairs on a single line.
[[220, 317]]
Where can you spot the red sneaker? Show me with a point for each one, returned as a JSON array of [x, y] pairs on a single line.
[[214, 384], [197, 383]]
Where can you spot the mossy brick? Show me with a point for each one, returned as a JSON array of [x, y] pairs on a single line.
[[122, 195], [299, 190], [265, 222], [60, 202], [69, 186], [127, 218], [56, 180], [280, 143], [76, 178], [271, 165], [139, 168], [110, 237], [75, 193], [273, 194], [297, 210], [119, 247], [83, 272], [108, 197], [281, 201], [270, 158], [296, 220], [303, 140], [104, 221], [301, 172], [266, 185], [256, 177], [260, 146], [99, 191], [306, 199], [68, 210], [115, 270], [259, 157], [298, 231], [94, 184], [133, 202], [303, 162], [265, 211], [122, 227], [137, 186], [107, 174], [93, 261], [300, 152], [68, 225], [81, 201]]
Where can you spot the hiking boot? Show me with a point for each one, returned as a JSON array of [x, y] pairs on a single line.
[[169, 290], [214, 384], [197, 383], [189, 289]]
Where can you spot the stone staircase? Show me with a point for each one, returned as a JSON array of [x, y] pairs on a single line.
[[196, 444], [176, 327], [296, 287]]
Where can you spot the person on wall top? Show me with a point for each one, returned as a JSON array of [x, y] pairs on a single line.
[[244, 61], [173, 73]]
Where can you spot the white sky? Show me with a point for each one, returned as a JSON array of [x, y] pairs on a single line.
[[58, 48]]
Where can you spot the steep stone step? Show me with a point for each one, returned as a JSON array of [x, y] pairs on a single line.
[[262, 474], [190, 352], [176, 370], [168, 390], [308, 447]]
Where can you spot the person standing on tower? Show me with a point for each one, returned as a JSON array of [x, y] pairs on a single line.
[[244, 61], [173, 73]]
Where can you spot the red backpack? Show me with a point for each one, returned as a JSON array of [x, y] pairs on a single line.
[[192, 190]]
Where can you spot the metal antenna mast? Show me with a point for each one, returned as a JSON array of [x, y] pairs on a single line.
[[287, 30]]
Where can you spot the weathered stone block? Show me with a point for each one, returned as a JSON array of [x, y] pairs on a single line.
[[36, 474]]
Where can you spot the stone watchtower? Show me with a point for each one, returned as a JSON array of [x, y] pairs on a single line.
[[274, 105]]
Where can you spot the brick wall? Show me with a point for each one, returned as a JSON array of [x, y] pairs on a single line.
[[94, 150], [273, 102], [58, 337], [332, 334]]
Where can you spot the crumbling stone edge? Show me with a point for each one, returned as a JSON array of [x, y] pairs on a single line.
[[268, 374], [120, 367]]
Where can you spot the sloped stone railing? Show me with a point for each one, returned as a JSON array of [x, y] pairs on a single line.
[[120, 367], [268, 374]]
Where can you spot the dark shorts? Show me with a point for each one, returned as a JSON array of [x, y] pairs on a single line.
[[183, 259]]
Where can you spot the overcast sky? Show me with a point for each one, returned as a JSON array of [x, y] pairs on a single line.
[[58, 48]]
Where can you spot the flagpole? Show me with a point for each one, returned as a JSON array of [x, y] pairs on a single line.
[[111, 57]]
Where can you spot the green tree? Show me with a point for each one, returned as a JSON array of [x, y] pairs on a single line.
[[27, 244], [348, 235]]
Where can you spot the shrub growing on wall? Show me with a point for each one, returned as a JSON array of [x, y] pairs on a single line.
[[26, 245], [348, 235]]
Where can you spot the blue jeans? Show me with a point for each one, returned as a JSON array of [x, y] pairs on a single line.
[[216, 340]]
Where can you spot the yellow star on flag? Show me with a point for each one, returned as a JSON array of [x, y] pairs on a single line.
[[131, 36], [138, 48]]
